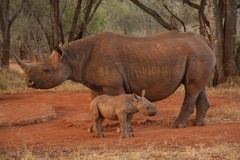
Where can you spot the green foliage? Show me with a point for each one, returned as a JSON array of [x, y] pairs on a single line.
[[66, 15], [99, 21], [127, 18]]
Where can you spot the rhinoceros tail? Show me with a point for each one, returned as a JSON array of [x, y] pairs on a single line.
[[215, 77]]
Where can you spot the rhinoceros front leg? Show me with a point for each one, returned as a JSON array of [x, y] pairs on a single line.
[[191, 95], [202, 105]]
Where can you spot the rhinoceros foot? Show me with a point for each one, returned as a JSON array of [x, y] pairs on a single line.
[[127, 136], [199, 123], [100, 135], [178, 124]]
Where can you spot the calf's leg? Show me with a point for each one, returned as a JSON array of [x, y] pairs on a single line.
[[129, 120], [97, 119], [98, 126], [123, 125]]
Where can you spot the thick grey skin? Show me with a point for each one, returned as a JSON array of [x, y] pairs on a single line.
[[121, 108], [114, 64]]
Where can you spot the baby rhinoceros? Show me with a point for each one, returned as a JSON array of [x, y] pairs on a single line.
[[120, 108]]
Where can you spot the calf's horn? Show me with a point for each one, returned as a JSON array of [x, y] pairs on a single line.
[[24, 66]]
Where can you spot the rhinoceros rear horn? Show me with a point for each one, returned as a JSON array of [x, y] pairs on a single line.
[[24, 66], [37, 58], [143, 93]]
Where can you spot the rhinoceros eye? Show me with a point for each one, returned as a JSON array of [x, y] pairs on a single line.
[[46, 70]]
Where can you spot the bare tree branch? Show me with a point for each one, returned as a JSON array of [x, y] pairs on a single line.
[[201, 12], [83, 24], [183, 24], [2, 22], [94, 10], [202, 18], [17, 13], [194, 5], [154, 14], [87, 17]]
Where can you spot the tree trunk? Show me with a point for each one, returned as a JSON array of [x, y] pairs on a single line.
[[216, 39], [203, 22], [5, 26], [238, 59], [56, 21], [6, 48], [74, 21], [229, 63], [82, 26]]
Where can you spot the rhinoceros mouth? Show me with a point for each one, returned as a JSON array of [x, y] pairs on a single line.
[[30, 83], [152, 113], [33, 84]]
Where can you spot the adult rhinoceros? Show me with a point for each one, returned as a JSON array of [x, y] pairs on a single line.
[[113, 64]]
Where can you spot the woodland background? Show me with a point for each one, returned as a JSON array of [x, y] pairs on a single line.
[[31, 27]]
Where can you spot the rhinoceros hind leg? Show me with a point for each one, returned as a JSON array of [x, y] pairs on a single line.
[[191, 95], [202, 105]]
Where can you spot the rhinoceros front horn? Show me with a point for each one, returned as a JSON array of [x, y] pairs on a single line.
[[24, 66]]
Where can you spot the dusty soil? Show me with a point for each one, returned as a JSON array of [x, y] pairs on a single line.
[[69, 128]]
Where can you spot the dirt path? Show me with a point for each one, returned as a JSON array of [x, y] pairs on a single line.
[[69, 129]]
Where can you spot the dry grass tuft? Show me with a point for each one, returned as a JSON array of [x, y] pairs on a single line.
[[231, 88], [11, 81], [151, 152], [226, 113], [69, 86]]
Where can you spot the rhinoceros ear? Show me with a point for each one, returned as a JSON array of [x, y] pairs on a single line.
[[60, 52]]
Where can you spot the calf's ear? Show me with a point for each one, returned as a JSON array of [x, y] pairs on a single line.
[[135, 97]]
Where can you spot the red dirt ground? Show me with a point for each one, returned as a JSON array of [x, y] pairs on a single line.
[[69, 129]]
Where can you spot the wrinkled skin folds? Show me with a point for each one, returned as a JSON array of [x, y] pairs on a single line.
[[114, 64]]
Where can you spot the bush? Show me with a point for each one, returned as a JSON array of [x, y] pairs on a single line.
[[11, 80]]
